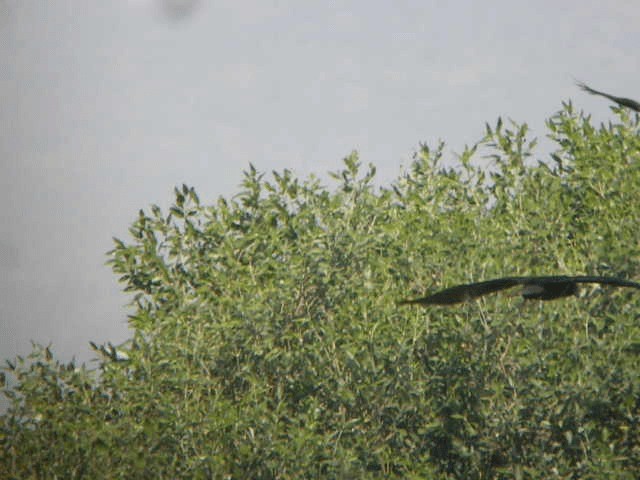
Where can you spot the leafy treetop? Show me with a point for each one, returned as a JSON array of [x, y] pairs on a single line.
[[266, 342]]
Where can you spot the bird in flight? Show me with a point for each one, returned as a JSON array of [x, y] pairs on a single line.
[[623, 102], [541, 288]]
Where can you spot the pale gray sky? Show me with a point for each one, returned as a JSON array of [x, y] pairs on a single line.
[[107, 105]]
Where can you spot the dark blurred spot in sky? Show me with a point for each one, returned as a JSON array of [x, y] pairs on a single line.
[[179, 9]]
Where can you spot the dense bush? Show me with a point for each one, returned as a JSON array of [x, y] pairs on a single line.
[[267, 342]]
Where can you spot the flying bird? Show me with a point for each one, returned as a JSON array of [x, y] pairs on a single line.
[[541, 288], [623, 102]]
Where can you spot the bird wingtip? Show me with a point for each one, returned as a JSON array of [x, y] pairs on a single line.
[[582, 86], [400, 303]]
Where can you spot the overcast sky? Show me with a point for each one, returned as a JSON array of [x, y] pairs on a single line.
[[105, 106]]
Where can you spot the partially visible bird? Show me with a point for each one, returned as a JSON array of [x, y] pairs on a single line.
[[624, 102], [541, 288]]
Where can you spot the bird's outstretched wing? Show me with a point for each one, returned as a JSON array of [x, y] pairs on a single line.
[[613, 281], [624, 102], [461, 293], [541, 288]]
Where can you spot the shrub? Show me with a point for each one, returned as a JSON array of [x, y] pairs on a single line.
[[267, 343]]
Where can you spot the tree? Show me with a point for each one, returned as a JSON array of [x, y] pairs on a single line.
[[267, 342]]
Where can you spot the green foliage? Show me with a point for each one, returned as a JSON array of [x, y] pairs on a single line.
[[267, 342]]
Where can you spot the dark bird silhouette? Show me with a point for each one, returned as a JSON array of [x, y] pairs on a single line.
[[623, 102], [541, 288]]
